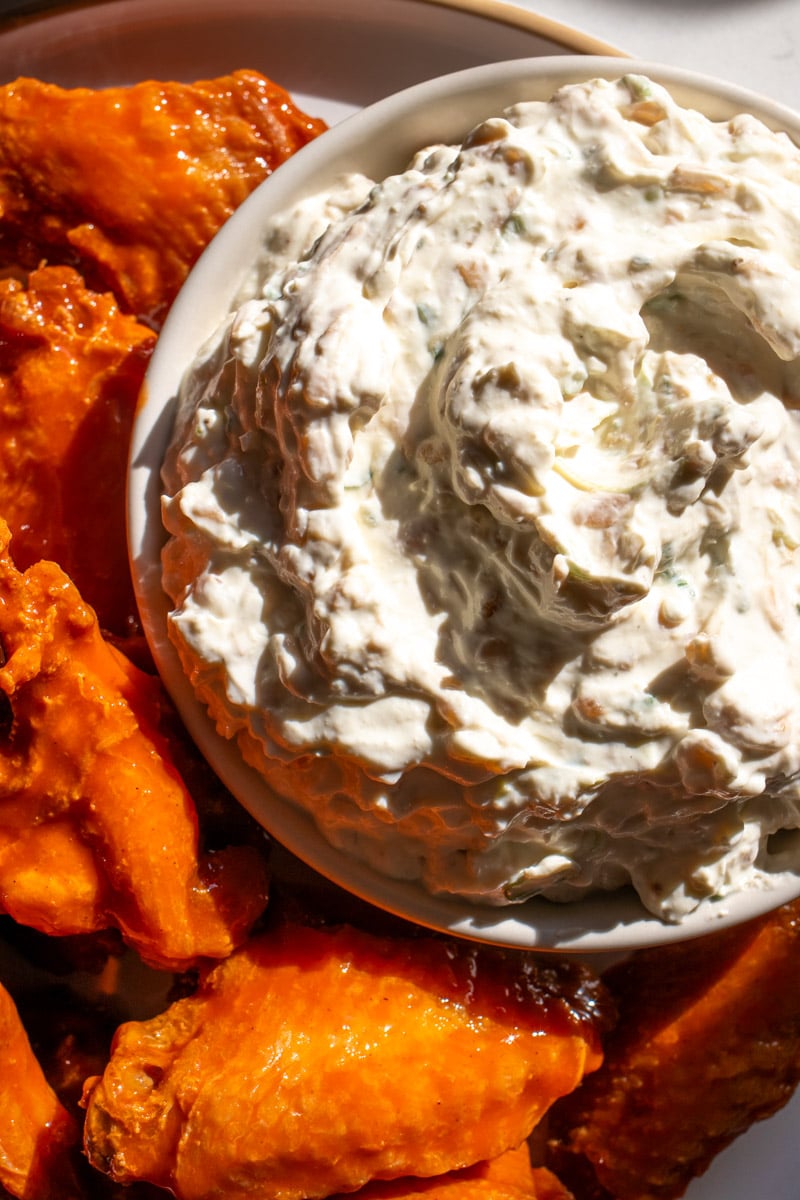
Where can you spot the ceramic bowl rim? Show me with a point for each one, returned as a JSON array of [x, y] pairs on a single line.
[[440, 109]]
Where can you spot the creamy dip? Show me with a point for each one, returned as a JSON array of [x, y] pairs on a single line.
[[484, 507]]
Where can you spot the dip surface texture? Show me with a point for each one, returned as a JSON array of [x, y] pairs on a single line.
[[484, 510]]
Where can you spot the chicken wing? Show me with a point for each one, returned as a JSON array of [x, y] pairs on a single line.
[[509, 1177], [707, 1042], [313, 1061], [130, 183], [37, 1134], [96, 826], [71, 366]]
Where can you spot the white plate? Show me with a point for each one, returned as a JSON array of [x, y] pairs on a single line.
[[335, 56]]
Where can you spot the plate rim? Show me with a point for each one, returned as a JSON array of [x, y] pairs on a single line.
[[503, 12], [573, 39]]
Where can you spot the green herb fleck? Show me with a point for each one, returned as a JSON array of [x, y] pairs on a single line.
[[513, 226]]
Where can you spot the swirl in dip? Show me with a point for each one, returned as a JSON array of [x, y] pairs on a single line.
[[484, 509]]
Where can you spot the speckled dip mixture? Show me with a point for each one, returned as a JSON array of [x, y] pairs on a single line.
[[484, 511]]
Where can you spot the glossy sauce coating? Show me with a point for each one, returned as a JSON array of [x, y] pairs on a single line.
[[313, 1061], [130, 183], [71, 366], [37, 1134], [96, 826], [509, 1177]]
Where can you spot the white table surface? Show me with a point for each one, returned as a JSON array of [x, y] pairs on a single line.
[[755, 43]]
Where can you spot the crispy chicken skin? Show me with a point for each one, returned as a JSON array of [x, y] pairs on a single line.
[[313, 1061], [130, 183], [97, 827], [37, 1134], [508, 1177], [71, 366], [707, 1043]]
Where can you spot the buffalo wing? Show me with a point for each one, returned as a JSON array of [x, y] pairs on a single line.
[[130, 183], [509, 1177], [37, 1134], [707, 1042], [96, 825], [312, 1062], [71, 366]]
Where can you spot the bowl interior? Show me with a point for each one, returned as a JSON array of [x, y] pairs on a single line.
[[378, 141]]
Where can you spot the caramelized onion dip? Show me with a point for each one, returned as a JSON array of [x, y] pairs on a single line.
[[484, 511]]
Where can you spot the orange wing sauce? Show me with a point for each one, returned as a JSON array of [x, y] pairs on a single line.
[[97, 827], [37, 1134], [312, 1061], [707, 1043], [71, 366], [130, 183], [509, 1177]]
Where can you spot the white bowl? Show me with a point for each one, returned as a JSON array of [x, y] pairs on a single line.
[[378, 141]]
